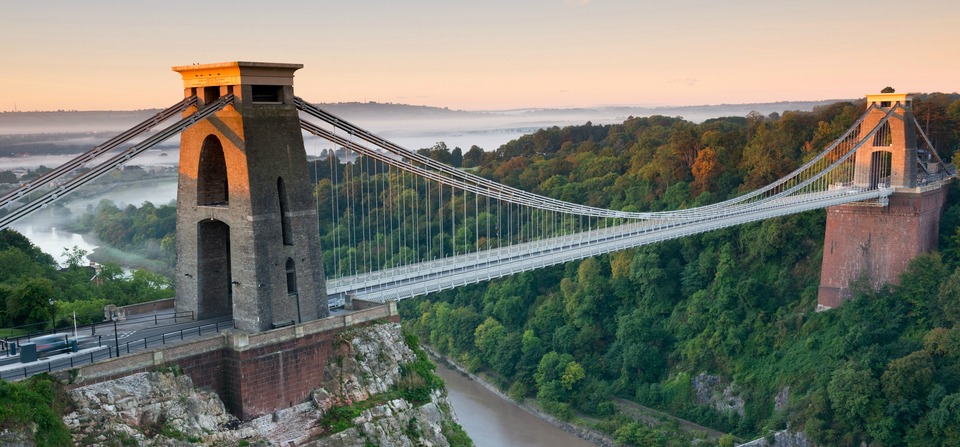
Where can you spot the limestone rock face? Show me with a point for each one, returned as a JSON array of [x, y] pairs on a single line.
[[713, 391], [164, 409], [18, 437], [395, 423], [156, 408], [784, 438], [367, 363]]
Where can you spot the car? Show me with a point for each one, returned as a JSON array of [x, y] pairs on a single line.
[[50, 343], [57, 343]]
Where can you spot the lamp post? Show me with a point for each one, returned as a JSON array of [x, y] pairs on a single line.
[[53, 317], [116, 339]]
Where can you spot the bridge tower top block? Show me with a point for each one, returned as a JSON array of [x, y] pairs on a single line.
[[249, 82], [247, 239], [889, 158]]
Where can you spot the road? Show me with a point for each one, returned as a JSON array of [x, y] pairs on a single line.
[[146, 331]]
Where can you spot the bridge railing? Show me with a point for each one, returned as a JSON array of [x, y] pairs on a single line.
[[176, 317], [107, 349]]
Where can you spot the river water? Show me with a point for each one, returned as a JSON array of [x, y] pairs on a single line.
[[49, 235], [494, 422]]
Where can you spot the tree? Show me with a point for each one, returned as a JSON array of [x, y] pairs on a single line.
[[572, 375], [923, 275], [638, 348], [946, 309], [852, 395], [30, 301], [908, 377], [17, 264], [8, 177], [74, 257], [488, 337], [456, 157], [473, 157], [557, 376]]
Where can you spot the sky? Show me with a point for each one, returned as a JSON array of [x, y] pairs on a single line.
[[482, 55]]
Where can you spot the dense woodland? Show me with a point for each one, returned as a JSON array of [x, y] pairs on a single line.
[[738, 303], [641, 324]]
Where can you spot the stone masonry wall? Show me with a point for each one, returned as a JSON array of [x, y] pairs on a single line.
[[254, 374], [877, 241]]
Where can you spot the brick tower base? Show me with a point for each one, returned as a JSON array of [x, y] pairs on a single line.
[[877, 241]]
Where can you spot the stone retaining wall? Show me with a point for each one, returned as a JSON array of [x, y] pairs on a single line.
[[254, 374]]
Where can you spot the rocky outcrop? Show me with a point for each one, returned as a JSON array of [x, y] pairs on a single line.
[[18, 437], [784, 438], [367, 363], [715, 392], [165, 409], [156, 408], [782, 398], [395, 423]]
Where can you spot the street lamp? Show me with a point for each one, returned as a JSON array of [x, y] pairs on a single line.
[[53, 317], [116, 339]]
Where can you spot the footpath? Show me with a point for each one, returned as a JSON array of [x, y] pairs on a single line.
[[651, 415]]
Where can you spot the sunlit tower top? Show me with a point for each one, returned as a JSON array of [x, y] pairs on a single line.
[[247, 238], [889, 158]]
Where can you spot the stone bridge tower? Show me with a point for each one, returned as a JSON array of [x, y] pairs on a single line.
[[247, 238], [876, 240]]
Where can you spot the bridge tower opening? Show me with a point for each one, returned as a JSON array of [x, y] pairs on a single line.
[[245, 213], [875, 241]]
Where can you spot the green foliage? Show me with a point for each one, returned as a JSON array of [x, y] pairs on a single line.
[[418, 379], [28, 302], [339, 418], [737, 302], [455, 435], [39, 400], [627, 431], [30, 278], [148, 230]]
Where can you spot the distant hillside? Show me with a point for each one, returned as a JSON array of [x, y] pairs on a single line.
[[117, 120], [67, 132], [393, 111], [114, 120], [697, 113]]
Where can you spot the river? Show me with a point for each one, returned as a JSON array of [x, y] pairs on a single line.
[[494, 422], [48, 234]]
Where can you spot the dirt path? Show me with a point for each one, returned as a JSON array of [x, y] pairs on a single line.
[[649, 414]]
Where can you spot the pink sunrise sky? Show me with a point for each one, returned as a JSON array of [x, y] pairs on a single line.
[[487, 55]]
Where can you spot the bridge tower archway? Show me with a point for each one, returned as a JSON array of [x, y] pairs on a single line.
[[212, 185], [214, 280], [876, 240], [880, 169], [244, 202]]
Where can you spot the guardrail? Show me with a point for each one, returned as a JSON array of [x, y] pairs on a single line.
[[160, 340], [177, 317], [109, 350]]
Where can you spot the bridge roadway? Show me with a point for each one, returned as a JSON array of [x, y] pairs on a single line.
[[135, 336], [432, 276]]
